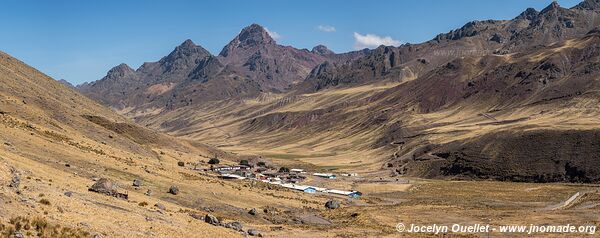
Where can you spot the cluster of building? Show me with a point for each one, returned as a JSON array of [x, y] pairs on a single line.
[[285, 179], [313, 189]]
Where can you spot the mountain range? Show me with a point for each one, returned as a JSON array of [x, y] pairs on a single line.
[[453, 106], [134, 154]]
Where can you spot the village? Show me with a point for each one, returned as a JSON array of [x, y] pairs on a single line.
[[284, 177]]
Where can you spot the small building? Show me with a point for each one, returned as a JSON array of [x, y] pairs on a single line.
[[309, 190], [298, 171], [231, 176], [230, 168], [323, 175]]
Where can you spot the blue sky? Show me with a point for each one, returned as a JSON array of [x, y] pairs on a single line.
[[81, 40]]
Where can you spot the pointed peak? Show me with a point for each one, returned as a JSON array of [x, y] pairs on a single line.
[[252, 35], [552, 7], [122, 67], [186, 49], [528, 14], [120, 70], [188, 43], [321, 50], [255, 34]]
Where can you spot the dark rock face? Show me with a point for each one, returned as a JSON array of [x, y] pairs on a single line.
[[536, 156], [332, 204]]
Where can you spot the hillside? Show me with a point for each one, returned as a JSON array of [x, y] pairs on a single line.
[[56, 143]]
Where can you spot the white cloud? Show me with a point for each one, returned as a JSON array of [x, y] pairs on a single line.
[[274, 35], [326, 28], [372, 41]]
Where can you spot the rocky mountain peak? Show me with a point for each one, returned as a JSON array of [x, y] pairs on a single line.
[[322, 50], [253, 35], [552, 7], [188, 48], [120, 70], [528, 14]]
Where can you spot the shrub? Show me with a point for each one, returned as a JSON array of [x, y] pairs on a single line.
[[181, 163], [214, 161], [245, 162]]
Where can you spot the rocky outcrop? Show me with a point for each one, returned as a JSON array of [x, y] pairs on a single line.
[[107, 187]]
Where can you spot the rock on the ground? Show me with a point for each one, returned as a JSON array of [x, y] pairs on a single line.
[[107, 187], [160, 206], [210, 219], [332, 204], [137, 183], [174, 190], [104, 186], [15, 181], [252, 212], [68, 193], [254, 232], [236, 225], [148, 193]]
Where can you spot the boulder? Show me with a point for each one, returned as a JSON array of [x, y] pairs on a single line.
[[210, 219], [137, 183], [174, 190], [332, 204], [254, 232], [104, 186], [252, 212], [236, 225], [107, 187]]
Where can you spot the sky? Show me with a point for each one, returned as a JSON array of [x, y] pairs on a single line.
[[79, 41]]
